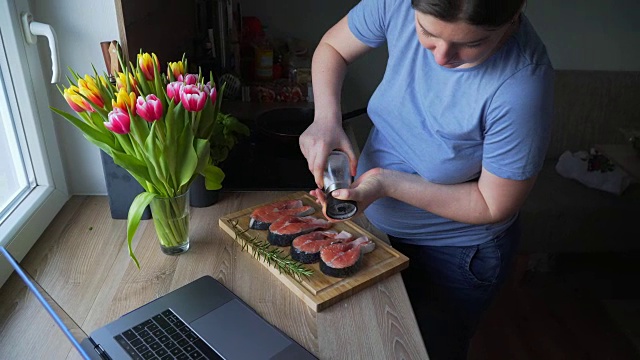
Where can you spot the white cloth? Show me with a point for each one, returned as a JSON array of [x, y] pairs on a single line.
[[575, 166]]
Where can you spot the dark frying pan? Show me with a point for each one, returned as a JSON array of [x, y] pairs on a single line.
[[285, 125]]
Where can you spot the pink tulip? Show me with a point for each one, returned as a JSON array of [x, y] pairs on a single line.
[[190, 79], [211, 91], [192, 98], [119, 122], [173, 91], [151, 109]]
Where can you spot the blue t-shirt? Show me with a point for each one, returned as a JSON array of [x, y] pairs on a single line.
[[446, 124]]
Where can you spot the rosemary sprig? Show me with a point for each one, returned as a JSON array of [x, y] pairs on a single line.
[[273, 257]]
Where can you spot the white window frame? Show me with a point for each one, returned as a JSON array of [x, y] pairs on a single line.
[[27, 222]]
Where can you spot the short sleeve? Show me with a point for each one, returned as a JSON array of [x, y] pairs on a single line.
[[518, 125], [368, 21]]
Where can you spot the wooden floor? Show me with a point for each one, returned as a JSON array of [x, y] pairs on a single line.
[[557, 315]]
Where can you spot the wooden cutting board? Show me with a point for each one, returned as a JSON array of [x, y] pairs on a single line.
[[320, 291]]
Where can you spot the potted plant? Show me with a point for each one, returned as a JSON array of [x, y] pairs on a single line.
[[226, 133]]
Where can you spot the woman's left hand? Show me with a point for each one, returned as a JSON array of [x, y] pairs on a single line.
[[365, 189]]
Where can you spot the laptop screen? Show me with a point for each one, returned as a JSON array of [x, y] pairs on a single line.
[[71, 330]]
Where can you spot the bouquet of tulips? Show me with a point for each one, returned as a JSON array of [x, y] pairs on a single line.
[[157, 126]]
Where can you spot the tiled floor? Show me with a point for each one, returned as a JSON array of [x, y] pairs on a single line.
[[587, 307]]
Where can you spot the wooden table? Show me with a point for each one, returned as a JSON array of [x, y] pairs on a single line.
[[82, 261]]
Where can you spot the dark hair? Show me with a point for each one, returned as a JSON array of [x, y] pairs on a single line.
[[486, 13]]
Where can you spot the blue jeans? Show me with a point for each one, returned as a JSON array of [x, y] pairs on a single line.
[[450, 287]]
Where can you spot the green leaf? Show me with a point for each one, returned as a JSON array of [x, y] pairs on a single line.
[[235, 126], [188, 161], [88, 130], [213, 177], [99, 144], [132, 164], [157, 83], [139, 127], [170, 151], [133, 219], [154, 155], [142, 81]]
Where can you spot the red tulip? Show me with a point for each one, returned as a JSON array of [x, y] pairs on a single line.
[[151, 109], [192, 98], [119, 122]]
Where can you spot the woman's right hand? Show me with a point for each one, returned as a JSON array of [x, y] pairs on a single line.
[[319, 139]]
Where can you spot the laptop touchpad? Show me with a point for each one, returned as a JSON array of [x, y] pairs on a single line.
[[237, 332]]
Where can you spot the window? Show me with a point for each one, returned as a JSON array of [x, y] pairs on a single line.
[[32, 184], [16, 173]]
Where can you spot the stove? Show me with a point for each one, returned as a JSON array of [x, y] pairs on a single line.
[[256, 163]]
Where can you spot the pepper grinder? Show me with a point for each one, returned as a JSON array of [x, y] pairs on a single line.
[[337, 176]]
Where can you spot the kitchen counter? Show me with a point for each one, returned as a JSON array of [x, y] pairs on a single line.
[[82, 261]]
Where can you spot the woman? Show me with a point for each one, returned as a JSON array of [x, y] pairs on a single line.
[[461, 125]]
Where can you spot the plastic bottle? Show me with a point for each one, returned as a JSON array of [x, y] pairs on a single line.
[[263, 58]]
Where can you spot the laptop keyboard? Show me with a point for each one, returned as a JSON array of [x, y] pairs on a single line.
[[164, 337]]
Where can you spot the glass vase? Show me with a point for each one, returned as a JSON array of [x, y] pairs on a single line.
[[171, 220]]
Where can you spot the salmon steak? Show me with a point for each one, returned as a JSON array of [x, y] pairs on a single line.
[[285, 229], [344, 259], [306, 248], [262, 217]]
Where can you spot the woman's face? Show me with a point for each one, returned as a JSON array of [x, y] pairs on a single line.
[[458, 44]]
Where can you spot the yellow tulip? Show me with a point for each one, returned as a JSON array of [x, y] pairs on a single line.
[[175, 68], [147, 63], [89, 89], [77, 102], [124, 100], [121, 82]]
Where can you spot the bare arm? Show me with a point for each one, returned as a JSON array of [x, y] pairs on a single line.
[[336, 50], [491, 199]]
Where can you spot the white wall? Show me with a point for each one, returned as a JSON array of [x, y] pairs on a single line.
[[80, 26], [589, 34], [580, 34]]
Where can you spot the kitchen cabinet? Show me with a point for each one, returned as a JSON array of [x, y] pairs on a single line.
[[166, 28]]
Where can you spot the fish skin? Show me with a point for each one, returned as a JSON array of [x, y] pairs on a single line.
[[341, 251]]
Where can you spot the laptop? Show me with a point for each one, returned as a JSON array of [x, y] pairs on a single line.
[[201, 320]]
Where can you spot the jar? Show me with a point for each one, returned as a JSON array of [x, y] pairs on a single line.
[[300, 69], [264, 63]]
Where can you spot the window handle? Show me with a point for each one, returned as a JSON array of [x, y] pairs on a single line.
[[31, 30]]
